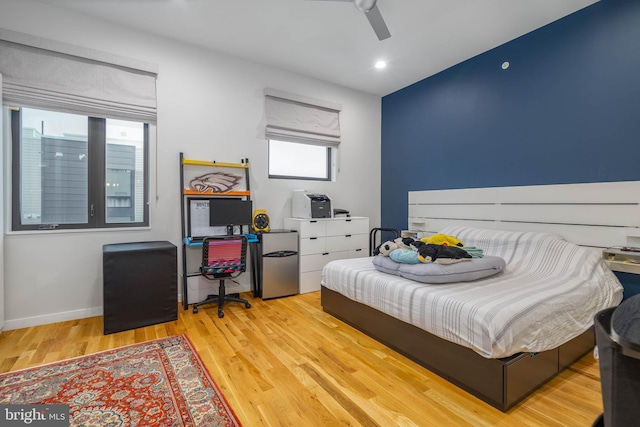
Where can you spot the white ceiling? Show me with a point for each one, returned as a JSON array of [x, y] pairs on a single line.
[[333, 41]]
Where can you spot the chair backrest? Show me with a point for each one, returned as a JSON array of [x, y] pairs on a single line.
[[224, 255]]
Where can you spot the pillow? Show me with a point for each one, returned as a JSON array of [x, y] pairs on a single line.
[[404, 256], [434, 273]]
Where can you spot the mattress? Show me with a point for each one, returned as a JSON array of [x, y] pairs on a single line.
[[547, 295]]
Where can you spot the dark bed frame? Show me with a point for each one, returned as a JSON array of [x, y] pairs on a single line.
[[502, 383]]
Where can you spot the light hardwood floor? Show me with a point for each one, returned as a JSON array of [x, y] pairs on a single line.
[[285, 362]]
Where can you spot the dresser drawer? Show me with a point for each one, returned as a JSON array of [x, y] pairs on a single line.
[[346, 242], [311, 228], [312, 245], [359, 253], [324, 240], [342, 226], [318, 261], [310, 281]]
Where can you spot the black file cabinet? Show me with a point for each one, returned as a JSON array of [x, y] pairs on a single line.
[[139, 285]]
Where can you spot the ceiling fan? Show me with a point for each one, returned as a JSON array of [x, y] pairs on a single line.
[[373, 14]]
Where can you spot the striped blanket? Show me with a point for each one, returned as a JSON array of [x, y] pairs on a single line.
[[548, 294]]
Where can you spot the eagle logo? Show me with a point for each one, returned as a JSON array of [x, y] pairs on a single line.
[[217, 182]]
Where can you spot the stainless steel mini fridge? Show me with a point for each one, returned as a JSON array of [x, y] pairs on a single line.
[[279, 263]]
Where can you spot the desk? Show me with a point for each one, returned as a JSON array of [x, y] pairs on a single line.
[[625, 326]]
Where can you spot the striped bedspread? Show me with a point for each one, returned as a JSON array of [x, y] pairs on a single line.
[[548, 294]]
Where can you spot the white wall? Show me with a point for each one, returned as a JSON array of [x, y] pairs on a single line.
[[1, 222], [210, 106]]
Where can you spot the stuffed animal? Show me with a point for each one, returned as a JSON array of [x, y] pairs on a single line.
[[416, 245], [385, 248], [403, 242], [431, 253], [405, 256], [442, 239]]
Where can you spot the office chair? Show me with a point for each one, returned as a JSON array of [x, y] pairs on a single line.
[[223, 257]]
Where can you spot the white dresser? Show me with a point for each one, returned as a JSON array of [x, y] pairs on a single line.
[[324, 240]]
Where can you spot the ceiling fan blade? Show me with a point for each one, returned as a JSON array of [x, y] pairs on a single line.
[[375, 19]]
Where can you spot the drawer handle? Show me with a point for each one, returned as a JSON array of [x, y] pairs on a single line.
[[313, 222], [358, 250], [348, 220], [347, 235], [325, 253], [313, 238]]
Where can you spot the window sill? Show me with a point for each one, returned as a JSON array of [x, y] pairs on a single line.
[[82, 230]]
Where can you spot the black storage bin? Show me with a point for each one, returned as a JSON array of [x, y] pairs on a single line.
[[619, 377], [140, 283]]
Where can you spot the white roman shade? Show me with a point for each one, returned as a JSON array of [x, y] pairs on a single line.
[[47, 74], [296, 118]]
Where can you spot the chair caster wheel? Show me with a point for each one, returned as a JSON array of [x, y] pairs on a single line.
[[195, 310], [220, 314], [247, 305]]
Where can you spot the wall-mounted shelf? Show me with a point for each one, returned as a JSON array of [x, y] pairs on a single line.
[[622, 260], [251, 238], [214, 163], [228, 193]]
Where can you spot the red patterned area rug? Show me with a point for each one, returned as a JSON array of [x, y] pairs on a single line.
[[155, 383]]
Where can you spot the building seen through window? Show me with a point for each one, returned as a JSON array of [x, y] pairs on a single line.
[[73, 171]]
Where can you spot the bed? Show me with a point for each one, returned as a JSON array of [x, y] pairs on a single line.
[[499, 338]]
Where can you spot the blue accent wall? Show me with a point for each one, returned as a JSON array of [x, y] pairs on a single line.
[[567, 110]]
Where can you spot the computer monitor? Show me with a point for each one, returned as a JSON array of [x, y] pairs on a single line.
[[228, 212]]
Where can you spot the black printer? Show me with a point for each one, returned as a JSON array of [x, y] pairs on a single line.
[[308, 205]]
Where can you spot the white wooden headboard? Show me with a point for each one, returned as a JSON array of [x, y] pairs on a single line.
[[600, 215]]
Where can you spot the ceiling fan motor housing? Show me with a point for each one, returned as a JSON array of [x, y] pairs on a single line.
[[364, 5]]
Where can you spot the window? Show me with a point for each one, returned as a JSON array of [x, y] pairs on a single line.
[[74, 171], [303, 135], [80, 142], [299, 161]]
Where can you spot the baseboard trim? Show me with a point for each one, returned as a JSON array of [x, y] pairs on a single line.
[[26, 322], [63, 316]]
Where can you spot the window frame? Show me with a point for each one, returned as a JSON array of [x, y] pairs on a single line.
[[96, 179], [330, 154]]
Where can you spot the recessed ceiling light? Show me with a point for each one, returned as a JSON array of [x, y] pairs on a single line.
[[380, 65]]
